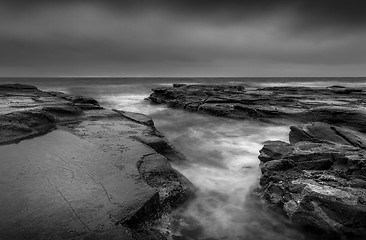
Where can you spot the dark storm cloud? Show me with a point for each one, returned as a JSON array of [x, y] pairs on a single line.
[[333, 12], [181, 36]]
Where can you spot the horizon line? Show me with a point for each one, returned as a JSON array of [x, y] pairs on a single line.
[[76, 76]]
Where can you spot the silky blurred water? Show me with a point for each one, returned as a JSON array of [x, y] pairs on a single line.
[[223, 164], [222, 161], [222, 158]]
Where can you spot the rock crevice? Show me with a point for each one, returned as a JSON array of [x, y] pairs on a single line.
[[318, 179]]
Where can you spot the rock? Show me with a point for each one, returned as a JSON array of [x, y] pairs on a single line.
[[149, 210], [318, 179], [317, 132], [173, 188], [79, 171], [148, 235], [18, 87], [277, 165], [23, 124], [352, 116], [137, 117], [276, 104], [155, 140], [178, 85], [275, 150], [344, 90], [80, 101]]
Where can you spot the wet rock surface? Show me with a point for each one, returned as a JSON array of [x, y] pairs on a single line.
[[71, 169], [318, 179], [334, 105]]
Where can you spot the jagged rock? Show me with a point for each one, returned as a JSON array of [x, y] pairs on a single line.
[[275, 150], [173, 187], [329, 105], [318, 179]]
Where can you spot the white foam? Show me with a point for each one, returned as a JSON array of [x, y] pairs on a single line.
[[224, 165], [132, 103]]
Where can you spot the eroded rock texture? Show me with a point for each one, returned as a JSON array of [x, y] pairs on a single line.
[[333, 105], [90, 173], [319, 179]]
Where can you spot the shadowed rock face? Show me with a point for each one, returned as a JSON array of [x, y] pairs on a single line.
[[319, 179], [333, 105], [101, 174], [26, 111], [174, 189]]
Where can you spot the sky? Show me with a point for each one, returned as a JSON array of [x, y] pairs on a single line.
[[153, 38]]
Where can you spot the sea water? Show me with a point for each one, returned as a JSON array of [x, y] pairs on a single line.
[[222, 154]]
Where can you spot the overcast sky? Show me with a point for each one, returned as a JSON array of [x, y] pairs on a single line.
[[183, 38]]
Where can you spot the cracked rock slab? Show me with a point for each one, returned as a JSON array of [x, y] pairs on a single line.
[[69, 169]]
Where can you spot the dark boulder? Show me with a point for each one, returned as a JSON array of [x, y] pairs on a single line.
[[318, 180], [275, 150]]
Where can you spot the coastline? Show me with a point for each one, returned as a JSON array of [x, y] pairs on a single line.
[[121, 181], [318, 179]]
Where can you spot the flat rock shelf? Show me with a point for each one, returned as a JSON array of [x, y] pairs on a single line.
[[318, 178], [70, 169]]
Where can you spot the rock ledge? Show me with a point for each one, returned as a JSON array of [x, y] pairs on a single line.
[[90, 173], [319, 179]]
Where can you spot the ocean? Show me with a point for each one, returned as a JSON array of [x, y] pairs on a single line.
[[222, 154]]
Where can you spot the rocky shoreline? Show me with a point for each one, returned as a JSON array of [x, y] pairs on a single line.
[[106, 173], [116, 154], [318, 179], [334, 105]]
